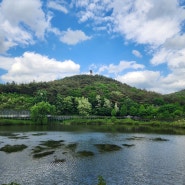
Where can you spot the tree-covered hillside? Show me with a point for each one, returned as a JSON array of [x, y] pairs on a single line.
[[97, 95]]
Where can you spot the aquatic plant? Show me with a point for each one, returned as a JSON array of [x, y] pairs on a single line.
[[13, 148], [101, 181], [85, 153], [43, 154], [107, 147], [52, 143]]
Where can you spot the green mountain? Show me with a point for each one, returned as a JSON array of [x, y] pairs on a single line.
[[104, 96], [83, 85]]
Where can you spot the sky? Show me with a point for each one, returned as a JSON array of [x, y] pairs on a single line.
[[137, 42]]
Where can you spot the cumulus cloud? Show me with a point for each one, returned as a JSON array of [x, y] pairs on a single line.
[[143, 21], [141, 79], [31, 66], [137, 53], [72, 37], [123, 65], [20, 22], [57, 5]]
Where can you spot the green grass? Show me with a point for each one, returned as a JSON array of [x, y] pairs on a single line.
[[15, 122], [110, 125]]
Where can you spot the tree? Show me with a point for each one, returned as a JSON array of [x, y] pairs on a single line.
[[41, 95], [115, 110], [107, 108], [123, 111], [40, 112], [84, 107]]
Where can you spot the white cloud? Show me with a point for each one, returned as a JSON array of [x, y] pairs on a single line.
[[32, 66], [57, 5], [176, 42], [154, 80], [72, 37], [137, 53], [143, 21], [20, 22], [141, 79], [149, 21], [123, 65]]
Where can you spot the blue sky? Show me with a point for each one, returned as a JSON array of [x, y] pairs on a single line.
[[138, 42]]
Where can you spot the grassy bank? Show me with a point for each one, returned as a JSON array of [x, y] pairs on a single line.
[[104, 125], [15, 122], [126, 125]]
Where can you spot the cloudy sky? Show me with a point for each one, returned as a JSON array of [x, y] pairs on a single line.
[[138, 42]]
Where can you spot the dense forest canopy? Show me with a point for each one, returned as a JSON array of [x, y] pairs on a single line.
[[93, 95]]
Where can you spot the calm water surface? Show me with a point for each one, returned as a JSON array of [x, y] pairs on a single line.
[[148, 162]]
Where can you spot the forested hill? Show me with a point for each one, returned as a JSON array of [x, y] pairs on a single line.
[[83, 85], [95, 95]]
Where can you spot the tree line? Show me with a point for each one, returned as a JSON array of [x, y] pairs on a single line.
[[39, 106]]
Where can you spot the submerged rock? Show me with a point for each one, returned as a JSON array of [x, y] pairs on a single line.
[[13, 148], [107, 147], [85, 153]]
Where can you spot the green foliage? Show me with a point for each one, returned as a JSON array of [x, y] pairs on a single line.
[[40, 112], [101, 181], [83, 106], [41, 95], [97, 95], [12, 183], [123, 111], [15, 101]]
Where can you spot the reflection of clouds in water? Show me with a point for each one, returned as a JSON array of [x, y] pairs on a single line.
[[148, 162]]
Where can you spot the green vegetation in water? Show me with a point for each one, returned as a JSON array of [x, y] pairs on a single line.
[[85, 153], [13, 148], [72, 146], [101, 181], [58, 161], [38, 149], [8, 134], [12, 183], [43, 154], [18, 137], [52, 143], [39, 134], [135, 138], [107, 147], [45, 148], [128, 145], [159, 139]]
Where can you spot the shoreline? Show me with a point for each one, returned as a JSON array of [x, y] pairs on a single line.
[[99, 125]]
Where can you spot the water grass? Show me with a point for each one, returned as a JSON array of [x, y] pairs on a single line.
[[107, 147], [85, 153], [13, 148]]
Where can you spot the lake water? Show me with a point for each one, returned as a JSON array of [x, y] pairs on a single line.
[[148, 162]]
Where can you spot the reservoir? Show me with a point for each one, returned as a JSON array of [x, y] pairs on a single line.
[[142, 159]]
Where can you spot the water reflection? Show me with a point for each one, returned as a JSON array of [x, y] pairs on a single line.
[[147, 162]]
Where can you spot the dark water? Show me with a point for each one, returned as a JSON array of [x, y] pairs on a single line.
[[148, 162]]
